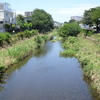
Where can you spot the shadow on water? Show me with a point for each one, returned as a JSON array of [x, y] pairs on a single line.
[[7, 75], [45, 75], [94, 93]]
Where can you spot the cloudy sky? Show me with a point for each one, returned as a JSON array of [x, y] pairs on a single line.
[[61, 10]]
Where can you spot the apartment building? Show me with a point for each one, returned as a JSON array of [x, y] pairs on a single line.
[[28, 13], [77, 18], [7, 15]]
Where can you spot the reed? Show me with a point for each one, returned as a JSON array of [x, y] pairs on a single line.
[[20, 50], [88, 53]]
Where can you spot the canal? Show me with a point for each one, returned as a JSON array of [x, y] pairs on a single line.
[[45, 76]]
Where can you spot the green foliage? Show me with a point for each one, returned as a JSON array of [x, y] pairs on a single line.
[[42, 21], [72, 39], [72, 21], [28, 33], [88, 53], [34, 32], [87, 32], [68, 53], [30, 25], [4, 37], [85, 62], [20, 35], [20, 21], [26, 25], [71, 29], [13, 26], [39, 41], [7, 26], [45, 37], [91, 17], [20, 18]]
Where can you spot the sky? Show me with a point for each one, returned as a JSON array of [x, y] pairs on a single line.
[[61, 10]]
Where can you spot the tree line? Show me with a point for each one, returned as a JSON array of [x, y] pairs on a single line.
[[92, 17], [40, 20]]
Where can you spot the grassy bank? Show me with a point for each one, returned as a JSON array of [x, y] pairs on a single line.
[[20, 49], [88, 53]]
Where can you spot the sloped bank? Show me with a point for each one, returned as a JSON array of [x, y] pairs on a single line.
[[23, 48], [88, 53]]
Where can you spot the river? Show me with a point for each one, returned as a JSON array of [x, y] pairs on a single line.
[[45, 76]]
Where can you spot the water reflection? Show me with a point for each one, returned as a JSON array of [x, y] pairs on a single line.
[[8, 74], [2, 82], [45, 76], [94, 93]]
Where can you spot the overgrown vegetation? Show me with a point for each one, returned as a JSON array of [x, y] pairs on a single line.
[[68, 53], [91, 17], [83, 45], [23, 44], [42, 21], [7, 38], [69, 29], [88, 53]]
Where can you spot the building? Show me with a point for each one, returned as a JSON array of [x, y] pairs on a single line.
[[77, 18], [28, 13], [27, 16], [7, 15], [57, 24]]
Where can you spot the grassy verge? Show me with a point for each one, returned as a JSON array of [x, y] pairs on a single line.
[[21, 49], [88, 53]]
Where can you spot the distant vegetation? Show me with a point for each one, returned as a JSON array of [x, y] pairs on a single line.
[[69, 29], [40, 20], [84, 45], [91, 17]]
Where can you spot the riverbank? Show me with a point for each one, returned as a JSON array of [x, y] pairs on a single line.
[[16, 52], [88, 53]]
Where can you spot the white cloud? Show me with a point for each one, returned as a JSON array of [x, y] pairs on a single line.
[[75, 9]]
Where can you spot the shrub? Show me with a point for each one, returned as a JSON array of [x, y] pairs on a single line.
[[45, 37], [70, 29], [68, 52], [7, 37], [33, 32], [39, 41], [20, 35], [72, 39], [87, 32], [27, 33], [4, 37]]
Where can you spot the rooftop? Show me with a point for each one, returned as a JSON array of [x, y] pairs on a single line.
[[5, 6]]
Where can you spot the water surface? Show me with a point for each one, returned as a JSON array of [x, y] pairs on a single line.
[[45, 76]]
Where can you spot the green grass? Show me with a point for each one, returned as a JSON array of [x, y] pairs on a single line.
[[88, 53], [20, 50], [68, 53]]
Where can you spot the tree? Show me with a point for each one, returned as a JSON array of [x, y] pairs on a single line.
[[72, 21], [20, 18], [20, 21], [42, 21], [95, 17], [91, 17], [70, 29]]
